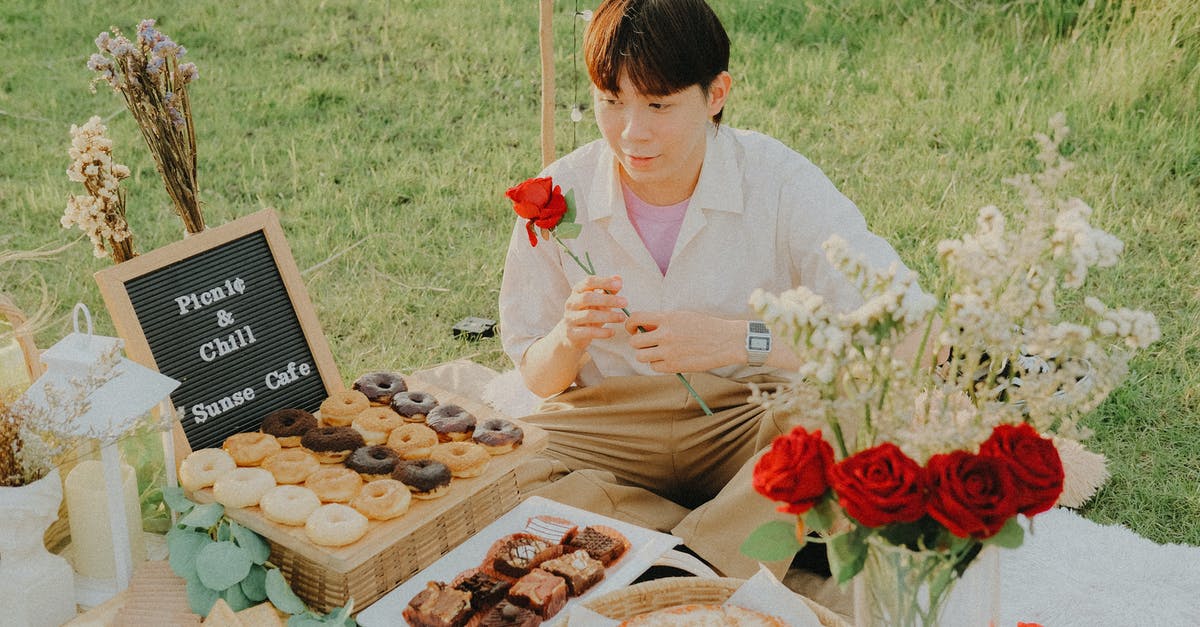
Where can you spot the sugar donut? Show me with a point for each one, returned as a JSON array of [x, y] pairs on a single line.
[[249, 449], [203, 467], [376, 424], [334, 484], [291, 465], [464, 459], [242, 487], [382, 500], [289, 504], [413, 406], [498, 436], [332, 445], [412, 441], [287, 425], [380, 386], [452, 423], [373, 462], [335, 525], [341, 407], [425, 478]]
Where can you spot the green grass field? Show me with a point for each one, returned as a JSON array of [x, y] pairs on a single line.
[[385, 134]]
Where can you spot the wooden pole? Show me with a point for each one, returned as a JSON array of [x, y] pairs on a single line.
[[546, 45]]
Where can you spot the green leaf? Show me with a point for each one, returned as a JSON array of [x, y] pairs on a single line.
[[223, 531], [183, 545], [772, 541], [1010, 536], [568, 230], [569, 216], [280, 593], [820, 517], [222, 564], [175, 499], [200, 597], [203, 516], [235, 598], [254, 586], [848, 554], [304, 620], [254, 544]]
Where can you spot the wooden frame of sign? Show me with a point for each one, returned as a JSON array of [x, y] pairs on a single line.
[[225, 313]]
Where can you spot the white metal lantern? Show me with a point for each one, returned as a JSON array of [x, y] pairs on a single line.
[[124, 393]]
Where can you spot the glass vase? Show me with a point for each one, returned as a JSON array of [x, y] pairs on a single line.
[[36, 586], [899, 587]]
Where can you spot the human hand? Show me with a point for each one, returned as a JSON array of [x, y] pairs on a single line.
[[592, 304], [685, 341]]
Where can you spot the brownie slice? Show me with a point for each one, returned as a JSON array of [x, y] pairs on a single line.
[[508, 615], [578, 569], [601, 545], [485, 589], [516, 554], [439, 605], [540, 591]]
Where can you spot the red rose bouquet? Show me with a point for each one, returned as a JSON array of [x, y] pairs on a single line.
[[908, 471]]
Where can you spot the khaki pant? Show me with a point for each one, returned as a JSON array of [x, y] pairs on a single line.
[[639, 449]]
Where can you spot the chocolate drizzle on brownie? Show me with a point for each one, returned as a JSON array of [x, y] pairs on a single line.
[[599, 545]]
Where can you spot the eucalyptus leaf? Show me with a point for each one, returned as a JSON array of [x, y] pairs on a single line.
[[183, 545], [280, 593], [236, 599], [569, 216], [568, 230], [305, 620], [175, 499], [223, 531], [847, 554], [1010, 536], [200, 597], [203, 516], [222, 564], [772, 542], [254, 544], [254, 586]]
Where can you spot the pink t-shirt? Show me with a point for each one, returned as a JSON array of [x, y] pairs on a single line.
[[657, 226]]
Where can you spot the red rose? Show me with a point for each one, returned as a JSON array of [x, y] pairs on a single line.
[[795, 470], [880, 486], [539, 201], [1037, 469], [972, 495]]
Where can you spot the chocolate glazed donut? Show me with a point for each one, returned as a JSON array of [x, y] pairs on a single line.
[[288, 425], [377, 460], [413, 406], [452, 423], [498, 435], [424, 477], [379, 387]]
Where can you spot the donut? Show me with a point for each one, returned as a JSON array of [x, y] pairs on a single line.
[[373, 462], [376, 423], [249, 449], [289, 504], [464, 459], [334, 484], [382, 500], [451, 422], [242, 487], [335, 525], [332, 445], [291, 465], [287, 425], [380, 386], [413, 406], [203, 467], [340, 408], [498, 436], [412, 441], [425, 478]]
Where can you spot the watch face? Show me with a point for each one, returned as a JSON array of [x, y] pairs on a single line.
[[759, 344]]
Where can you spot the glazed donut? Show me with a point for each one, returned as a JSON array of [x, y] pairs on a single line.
[[464, 459], [291, 465], [425, 478], [287, 425], [412, 441], [335, 525], [373, 462], [334, 484], [332, 445], [382, 500], [413, 406], [452, 423], [340, 408], [249, 449], [380, 386], [242, 487], [289, 504], [376, 423], [498, 436], [202, 468]]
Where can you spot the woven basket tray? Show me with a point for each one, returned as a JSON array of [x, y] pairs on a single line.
[[663, 593]]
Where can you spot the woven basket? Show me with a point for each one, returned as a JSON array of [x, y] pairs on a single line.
[[659, 594]]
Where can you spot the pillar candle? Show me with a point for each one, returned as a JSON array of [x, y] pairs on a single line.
[[87, 510]]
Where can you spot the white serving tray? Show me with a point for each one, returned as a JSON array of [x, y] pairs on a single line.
[[645, 547]]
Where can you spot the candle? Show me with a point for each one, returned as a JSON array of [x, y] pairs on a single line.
[[87, 509]]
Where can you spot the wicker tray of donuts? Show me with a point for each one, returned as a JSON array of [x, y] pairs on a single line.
[[386, 478]]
